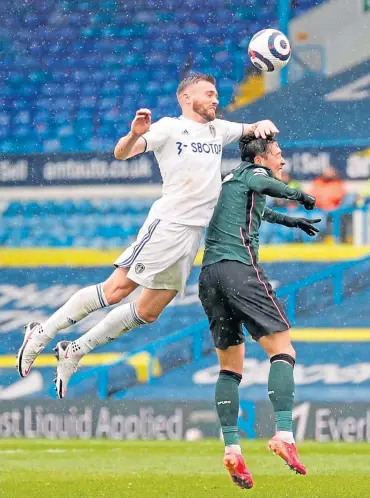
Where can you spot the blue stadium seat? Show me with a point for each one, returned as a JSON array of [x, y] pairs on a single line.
[[101, 222], [67, 55]]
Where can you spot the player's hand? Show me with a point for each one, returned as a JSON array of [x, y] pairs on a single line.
[[141, 122], [306, 225], [265, 128], [308, 201]]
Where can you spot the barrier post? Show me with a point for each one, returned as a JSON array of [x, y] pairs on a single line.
[[283, 16]]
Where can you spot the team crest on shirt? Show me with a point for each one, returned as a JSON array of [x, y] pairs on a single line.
[[139, 268], [212, 130]]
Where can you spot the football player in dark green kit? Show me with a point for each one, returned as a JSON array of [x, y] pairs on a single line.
[[234, 291]]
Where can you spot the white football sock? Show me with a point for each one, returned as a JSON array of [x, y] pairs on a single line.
[[286, 436], [118, 321], [82, 303]]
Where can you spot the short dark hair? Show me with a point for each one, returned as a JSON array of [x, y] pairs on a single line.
[[250, 147], [194, 78]]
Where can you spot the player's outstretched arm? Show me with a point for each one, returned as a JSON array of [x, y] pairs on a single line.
[[261, 129], [133, 143], [304, 224], [263, 184]]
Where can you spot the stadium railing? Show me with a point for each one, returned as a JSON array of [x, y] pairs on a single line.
[[348, 223], [196, 333], [333, 273]]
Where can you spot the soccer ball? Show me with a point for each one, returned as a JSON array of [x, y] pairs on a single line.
[[269, 50]]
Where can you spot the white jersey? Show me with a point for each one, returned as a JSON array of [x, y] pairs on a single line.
[[189, 156]]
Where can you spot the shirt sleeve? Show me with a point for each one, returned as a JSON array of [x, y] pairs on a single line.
[[281, 219], [230, 131], [260, 181], [157, 135]]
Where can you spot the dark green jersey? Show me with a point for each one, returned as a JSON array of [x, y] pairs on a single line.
[[233, 230]]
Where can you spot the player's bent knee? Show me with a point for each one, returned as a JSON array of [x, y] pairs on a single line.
[[148, 316], [277, 343], [288, 350]]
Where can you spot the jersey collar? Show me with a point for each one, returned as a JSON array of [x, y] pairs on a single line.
[[183, 118], [253, 165]]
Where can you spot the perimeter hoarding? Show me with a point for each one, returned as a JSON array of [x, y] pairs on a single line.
[[165, 420], [102, 169]]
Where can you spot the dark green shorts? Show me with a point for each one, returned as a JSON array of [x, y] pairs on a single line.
[[234, 294]]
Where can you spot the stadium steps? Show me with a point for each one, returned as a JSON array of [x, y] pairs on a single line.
[[315, 299], [324, 372], [354, 311]]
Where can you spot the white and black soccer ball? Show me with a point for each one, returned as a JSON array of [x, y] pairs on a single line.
[[269, 50]]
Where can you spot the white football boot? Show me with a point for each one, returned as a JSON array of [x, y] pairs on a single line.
[[33, 343], [67, 365]]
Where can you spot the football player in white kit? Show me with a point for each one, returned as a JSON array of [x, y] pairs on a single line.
[[188, 150]]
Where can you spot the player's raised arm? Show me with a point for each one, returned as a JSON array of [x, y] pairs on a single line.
[[264, 184], [133, 143], [233, 132]]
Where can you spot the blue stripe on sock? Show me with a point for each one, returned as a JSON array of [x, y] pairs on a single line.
[[138, 248], [134, 319], [103, 298], [137, 319], [100, 295]]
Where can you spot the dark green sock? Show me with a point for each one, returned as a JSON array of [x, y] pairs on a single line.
[[227, 405], [281, 391]]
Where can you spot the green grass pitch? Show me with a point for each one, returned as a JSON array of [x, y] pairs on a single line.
[[146, 469]]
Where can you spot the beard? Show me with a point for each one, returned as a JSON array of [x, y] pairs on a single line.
[[204, 111]]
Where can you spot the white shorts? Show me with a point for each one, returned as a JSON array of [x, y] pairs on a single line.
[[162, 255]]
